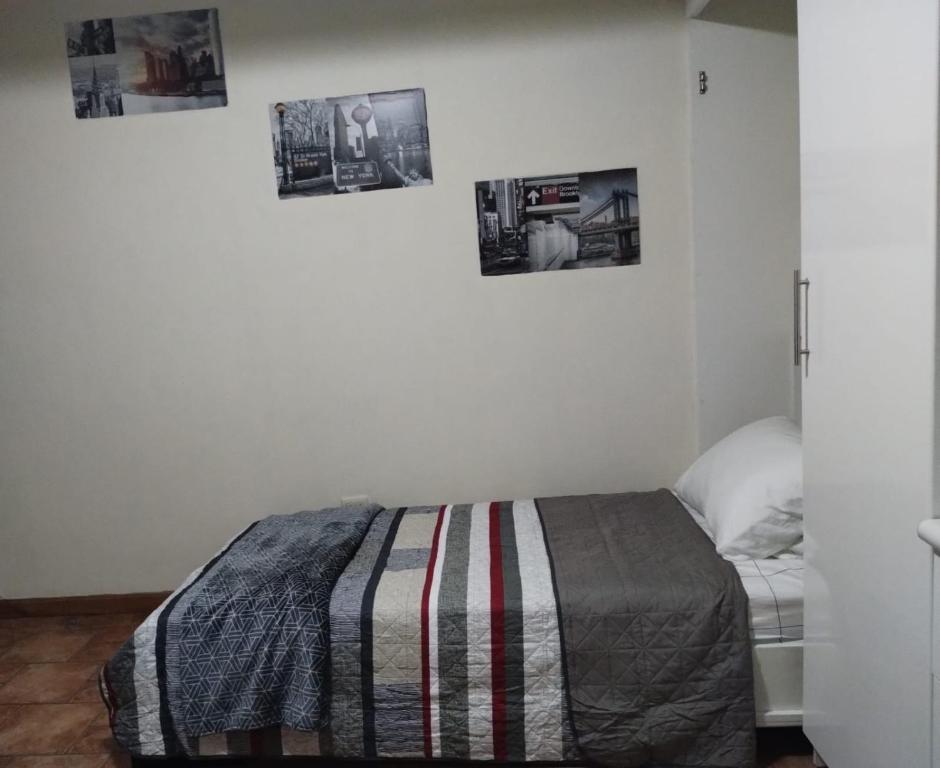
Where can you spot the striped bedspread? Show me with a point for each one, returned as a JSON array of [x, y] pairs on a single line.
[[603, 628], [445, 639]]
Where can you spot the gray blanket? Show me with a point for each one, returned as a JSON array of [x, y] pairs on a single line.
[[244, 643], [655, 631]]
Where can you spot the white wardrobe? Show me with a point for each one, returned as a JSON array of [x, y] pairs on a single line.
[[868, 134]]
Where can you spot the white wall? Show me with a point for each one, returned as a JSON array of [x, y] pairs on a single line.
[[745, 224], [181, 353]]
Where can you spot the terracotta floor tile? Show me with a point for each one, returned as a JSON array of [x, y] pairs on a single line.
[[117, 760], [130, 621], [57, 761], [102, 718], [117, 633], [117, 624], [106, 642], [89, 691], [46, 646], [6, 635], [44, 729], [96, 740], [7, 670], [30, 626], [47, 683], [97, 649]]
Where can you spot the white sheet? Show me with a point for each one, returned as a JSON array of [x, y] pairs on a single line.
[[774, 588]]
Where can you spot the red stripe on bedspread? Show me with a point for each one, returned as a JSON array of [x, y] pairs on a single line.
[[425, 636], [497, 635]]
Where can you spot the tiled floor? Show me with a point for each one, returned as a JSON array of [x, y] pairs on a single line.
[[51, 715]]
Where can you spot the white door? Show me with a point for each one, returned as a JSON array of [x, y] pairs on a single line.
[[868, 134]]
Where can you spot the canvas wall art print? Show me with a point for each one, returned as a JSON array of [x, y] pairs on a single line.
[[555, 222], [133, 65], [357, 143]]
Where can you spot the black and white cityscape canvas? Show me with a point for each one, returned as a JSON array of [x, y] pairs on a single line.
[[356, 143], [565, 221], [133, 65]]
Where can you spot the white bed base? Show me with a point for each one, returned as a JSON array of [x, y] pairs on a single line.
[[778, 684]]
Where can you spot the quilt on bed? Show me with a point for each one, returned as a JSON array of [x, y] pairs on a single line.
[[243, 644], [597, 627]]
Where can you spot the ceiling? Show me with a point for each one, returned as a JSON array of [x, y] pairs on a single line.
[[771, 15]]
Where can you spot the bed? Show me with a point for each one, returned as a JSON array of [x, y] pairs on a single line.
[[774, 589], [604, 629]]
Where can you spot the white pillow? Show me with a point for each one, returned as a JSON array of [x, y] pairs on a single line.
[[749, 486]]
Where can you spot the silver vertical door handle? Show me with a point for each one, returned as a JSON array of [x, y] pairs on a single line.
[[929, 531], [801, 329]]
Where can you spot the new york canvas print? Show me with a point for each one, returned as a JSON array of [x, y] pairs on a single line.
[[358, 143], [556, 222], [133, 65]]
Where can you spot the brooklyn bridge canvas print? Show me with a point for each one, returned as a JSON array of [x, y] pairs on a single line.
[[358, 143], [162, 62], [556, 222]]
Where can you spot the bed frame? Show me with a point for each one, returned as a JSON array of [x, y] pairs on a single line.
[[778, 684]]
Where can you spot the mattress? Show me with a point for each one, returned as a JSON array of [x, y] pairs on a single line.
[[774, 588]]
